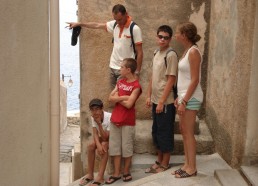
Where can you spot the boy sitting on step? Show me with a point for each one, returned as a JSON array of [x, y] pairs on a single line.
[[100, 124]]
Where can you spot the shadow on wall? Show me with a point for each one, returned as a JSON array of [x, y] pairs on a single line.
[[222, 140]]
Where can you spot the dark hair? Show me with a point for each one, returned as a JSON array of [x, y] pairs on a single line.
[[119, 8], [165, 28], [190, 31], [130, 63], [96, 102]]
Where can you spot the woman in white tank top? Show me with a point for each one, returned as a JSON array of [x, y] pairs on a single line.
[[190, 94]]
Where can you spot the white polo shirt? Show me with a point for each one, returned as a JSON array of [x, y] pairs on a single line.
[[123, 47]]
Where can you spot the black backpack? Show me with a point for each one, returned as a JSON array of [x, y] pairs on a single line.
[[131, 32], [166, 64]]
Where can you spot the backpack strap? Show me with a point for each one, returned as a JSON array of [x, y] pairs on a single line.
[[114, 29], [156, 51], [132, 39], [165, 58], [175, 85], [133, 44]]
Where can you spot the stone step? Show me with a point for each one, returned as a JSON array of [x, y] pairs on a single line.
[[230, 177], [65, 173], [144, 144], [250, 172], [206, 165]]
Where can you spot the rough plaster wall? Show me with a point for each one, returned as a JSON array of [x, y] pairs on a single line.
[[231, 35], [251, 149], [24, 93], [96, 46]]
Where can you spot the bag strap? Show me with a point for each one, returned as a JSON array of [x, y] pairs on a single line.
[[165, 58], [133, 44]]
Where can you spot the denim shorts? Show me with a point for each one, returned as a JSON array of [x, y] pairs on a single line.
[[163, 128]]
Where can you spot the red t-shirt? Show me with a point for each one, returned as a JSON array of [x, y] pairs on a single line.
[[122, 115]]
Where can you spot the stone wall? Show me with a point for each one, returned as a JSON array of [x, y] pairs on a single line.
[[96, 45], [229, 70], [24, 94]]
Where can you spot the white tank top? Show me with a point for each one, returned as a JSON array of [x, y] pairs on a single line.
[[184, 77]]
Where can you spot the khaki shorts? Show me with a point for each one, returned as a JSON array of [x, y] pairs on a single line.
[[121, 140]]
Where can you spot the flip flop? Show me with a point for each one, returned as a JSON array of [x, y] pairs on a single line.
[[125, 177], [184, 174], [178, 171], [112, 179], [85, 181], [76, 32]]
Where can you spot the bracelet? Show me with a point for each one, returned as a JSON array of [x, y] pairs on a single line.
[[183, 103], [183, 100]]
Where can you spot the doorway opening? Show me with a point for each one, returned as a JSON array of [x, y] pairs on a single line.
[[69, 90]]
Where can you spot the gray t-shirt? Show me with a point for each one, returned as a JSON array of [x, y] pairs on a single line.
[[159, 75]]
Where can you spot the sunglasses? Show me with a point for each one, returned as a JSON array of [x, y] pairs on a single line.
[[163, 37]]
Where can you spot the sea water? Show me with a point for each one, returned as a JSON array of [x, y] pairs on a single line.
[[69, 55]]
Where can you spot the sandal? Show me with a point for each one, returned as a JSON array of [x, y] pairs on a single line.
[[85, 181], [178, 171], [96, 183], [112, 179], [151, 169], [162, 168], [184, 174], [125, 177]]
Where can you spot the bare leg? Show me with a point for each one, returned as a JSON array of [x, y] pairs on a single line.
[[165, 160], [160, 156], [182, 129], [102, 168], [188, 122], [117, 164], [91, 158], [91, 149], [127, 165]]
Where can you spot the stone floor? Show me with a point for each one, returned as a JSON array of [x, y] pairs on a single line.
[[68, 138]]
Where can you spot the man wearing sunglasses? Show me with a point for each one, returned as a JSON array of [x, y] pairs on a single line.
[[123, 46], [160, 95]]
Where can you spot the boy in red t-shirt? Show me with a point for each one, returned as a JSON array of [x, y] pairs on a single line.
[[122, 129]]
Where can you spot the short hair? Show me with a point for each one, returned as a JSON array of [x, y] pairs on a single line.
[[190, 31], [119, 8], [165, 28], [130, 63], [96, 102]]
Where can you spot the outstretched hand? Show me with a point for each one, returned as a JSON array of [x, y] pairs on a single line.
[[72, 24]]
